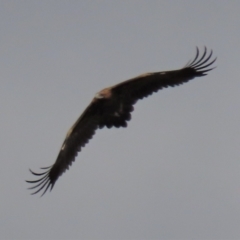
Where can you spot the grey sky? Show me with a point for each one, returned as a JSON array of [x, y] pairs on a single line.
[[174, 173]]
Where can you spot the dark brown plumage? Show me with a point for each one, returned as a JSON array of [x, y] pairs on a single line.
[[112, 107]]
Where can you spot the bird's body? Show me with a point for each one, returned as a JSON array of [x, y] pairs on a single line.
[[112, 107]]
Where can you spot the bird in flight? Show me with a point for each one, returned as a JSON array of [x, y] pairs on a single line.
[[112, 107]]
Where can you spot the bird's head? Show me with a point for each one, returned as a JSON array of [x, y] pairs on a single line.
[[103, 94]]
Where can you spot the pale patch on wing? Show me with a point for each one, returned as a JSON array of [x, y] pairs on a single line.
[[162, 73], [120, 110], [70, 130], [145, 74], [116, 114]]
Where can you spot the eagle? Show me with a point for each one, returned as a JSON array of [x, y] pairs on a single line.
[[112, 107]]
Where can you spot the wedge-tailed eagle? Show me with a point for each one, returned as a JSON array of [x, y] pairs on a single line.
[[112, 107]]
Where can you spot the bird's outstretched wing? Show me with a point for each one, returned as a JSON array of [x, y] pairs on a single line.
[[112, 108], [127, 93], [77, 137], [148, 83]]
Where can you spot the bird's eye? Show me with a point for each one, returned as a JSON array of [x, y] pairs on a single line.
[[99, 95]]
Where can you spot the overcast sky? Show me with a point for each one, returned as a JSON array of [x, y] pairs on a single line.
[[174, 173]]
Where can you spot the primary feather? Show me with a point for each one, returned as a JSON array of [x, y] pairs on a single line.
[[112, 107]]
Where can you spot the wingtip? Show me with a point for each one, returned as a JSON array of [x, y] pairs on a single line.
[[42, 183], [200, 63]]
